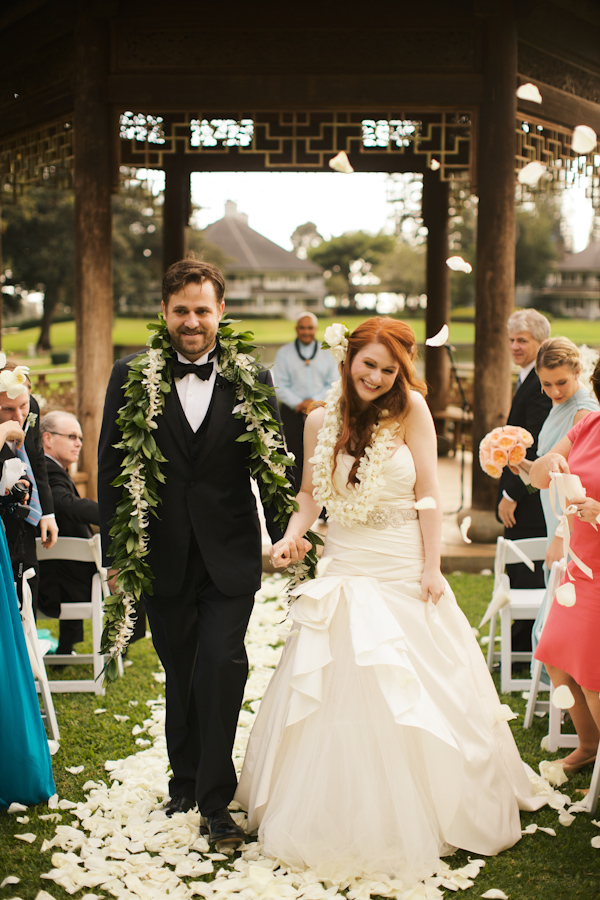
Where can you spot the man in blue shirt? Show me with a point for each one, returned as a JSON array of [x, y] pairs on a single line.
[[303, 373]]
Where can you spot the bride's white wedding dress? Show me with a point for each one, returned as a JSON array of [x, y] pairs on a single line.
[[379, 745]]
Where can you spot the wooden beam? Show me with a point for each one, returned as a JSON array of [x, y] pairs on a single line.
[[93, 240], [559, 107]]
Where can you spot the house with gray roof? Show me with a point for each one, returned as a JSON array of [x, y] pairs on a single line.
[[263, 279], [573, 288]]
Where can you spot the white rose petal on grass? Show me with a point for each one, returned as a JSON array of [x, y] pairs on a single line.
[[74, 770], [426, 503], [439, 339], [99, 711], [22, 820], [51, 817], [66, 804], [565, 594], [549, 831], [495, 894], [552, 772], [596, 842], [562, 698], [566, 819], [17, 807], [545, 743], [10, 879], [120, 718], [529, 92], [504, 713], [133, 703], [584, 139], [29, 837], [464, 529], [530, 829], [44, 895], [53, 802], [341, 163], [53, 747], [531, 173], [458, 264]]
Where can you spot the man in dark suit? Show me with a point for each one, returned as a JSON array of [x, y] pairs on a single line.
[[518, 509], [205, 548], [22, 532], [66, 581]]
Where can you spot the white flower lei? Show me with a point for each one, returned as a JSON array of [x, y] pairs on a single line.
[[354, 508]]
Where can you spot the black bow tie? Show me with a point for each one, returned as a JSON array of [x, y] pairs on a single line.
[[180, 370]]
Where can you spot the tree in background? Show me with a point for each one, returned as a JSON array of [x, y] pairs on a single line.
[[304, 238], [402, 270], [344, 258], [539, 240]]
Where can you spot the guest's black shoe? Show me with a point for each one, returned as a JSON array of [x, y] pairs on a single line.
[[222, 831], [178, 804]]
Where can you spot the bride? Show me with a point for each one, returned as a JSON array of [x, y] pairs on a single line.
[[380, 744]]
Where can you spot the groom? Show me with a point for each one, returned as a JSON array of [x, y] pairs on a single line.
[[205, 548]]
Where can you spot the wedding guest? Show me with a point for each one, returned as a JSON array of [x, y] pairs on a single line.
[[17, 405], [379, 744], [303, 373], [61, 580], [519, 509], [568, 646]]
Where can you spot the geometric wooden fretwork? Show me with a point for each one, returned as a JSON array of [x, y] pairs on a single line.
[[42, 156], [386, 140]]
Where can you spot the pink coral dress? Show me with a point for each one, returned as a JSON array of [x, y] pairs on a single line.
[[570, 637]]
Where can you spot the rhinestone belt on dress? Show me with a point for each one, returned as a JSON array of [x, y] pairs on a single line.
[[390, 517]]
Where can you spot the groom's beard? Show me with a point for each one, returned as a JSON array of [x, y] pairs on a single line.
[[192, 344]]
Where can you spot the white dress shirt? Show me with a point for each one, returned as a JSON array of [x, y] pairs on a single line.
[[195, 395]]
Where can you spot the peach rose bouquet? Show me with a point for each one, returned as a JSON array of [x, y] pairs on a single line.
[[504, 446]]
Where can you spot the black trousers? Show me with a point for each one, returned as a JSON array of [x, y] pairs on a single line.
[[199, 637], [293, 429]]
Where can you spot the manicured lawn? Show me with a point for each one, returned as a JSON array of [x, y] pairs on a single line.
[[540, 867]]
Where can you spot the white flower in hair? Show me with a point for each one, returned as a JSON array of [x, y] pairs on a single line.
[[336, 340], [13, 381]]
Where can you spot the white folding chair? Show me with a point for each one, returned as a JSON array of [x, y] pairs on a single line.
[[82, 550], [36, 657], [512, 603], [556, 738], [591, 801]]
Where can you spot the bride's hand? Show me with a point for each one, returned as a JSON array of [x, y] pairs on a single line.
[[289, 550], [433, 584]]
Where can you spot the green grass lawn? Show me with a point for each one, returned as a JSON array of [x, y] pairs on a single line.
[[133, 333], [540, 867]]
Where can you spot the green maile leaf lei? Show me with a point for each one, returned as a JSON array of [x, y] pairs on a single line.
[[148, 383]]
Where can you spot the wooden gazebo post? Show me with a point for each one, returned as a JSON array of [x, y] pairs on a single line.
[[435, 218], [176, 209], [496, 220], [93, 238]]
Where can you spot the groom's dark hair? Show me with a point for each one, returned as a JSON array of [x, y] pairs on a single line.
[[191, 271]]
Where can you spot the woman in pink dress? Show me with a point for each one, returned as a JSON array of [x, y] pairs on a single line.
[[569, 643]]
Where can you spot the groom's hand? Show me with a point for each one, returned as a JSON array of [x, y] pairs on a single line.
[[289, 550]]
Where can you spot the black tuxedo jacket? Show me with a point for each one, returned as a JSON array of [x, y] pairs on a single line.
[[529, 409], [206, 494], [35, 452], [62, 580]]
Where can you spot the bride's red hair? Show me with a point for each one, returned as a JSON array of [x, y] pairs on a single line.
[[357, 423]]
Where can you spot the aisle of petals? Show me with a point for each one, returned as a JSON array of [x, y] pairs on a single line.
[[120, 842]]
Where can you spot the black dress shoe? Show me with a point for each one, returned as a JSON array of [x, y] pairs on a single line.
[[178, 804], [222, 831]]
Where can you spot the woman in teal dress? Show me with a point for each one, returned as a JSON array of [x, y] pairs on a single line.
[[25, 765], [558, 366]]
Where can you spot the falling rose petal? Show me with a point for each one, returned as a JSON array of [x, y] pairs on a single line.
[[74, 770], [584, 139], [98, 712], [10, 879], [562, 698], [458, 264], [495, 894], [529, 92], [565, 594], [531, 173], [504, 713], [426, 503], [596, 842], [17, 807], [434, 165], [552, 772], [29, 837], [439, 339], [341, 163], [127, 663], [464, 529]]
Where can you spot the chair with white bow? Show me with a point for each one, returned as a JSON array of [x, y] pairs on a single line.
[[82, 550], [512, 603]]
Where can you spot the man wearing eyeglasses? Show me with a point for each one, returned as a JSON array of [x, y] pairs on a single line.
[[66, 581]]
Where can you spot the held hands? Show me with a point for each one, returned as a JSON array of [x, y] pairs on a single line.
[[289, 550], [433, 584]]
